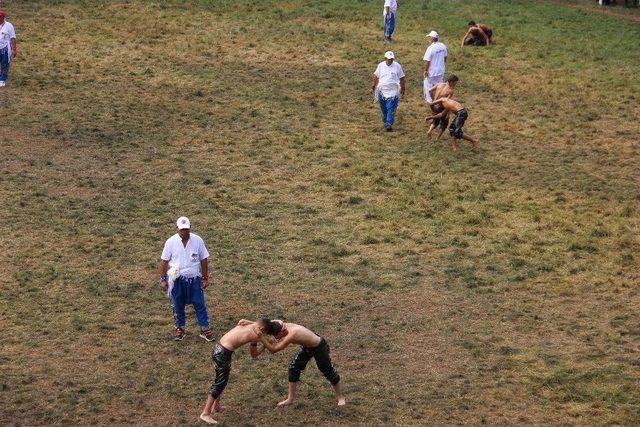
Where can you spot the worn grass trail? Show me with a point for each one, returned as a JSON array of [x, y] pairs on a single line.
[[495, 287]]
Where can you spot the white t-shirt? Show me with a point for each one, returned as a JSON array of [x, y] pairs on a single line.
[[392, 4], [436, 53], [185, 258], [7, 32], [389, 78]]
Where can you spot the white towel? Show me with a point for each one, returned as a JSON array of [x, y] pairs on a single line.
[[172, 274]]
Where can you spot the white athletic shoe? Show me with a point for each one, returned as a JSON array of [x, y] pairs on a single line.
[[2, 83]]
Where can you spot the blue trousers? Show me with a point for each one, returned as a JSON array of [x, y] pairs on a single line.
[[187, 291], [4, 64], [388, 109], [389, 24]]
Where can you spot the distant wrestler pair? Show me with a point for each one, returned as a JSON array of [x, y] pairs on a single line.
[[274, 335], [441, 106]]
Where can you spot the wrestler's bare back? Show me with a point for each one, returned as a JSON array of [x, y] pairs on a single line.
[[238, 336], [451, 105], [298, 334], [443, 90]]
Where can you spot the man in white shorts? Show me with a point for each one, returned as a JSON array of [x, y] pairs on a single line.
[[434, 62]]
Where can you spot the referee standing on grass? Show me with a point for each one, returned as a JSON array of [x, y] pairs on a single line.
[[8, 47], [435, 59], [185, 258], [387, 86]]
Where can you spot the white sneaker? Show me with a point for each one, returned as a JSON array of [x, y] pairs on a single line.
[[2, 83]]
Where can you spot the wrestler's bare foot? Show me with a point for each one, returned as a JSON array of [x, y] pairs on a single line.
[[341, 401], [285, 402], [207, 418]]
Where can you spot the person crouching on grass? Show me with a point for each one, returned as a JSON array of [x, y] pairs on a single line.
[[477, 35], [455, 130], [312, 345]]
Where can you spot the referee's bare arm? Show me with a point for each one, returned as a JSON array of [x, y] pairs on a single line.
[[163, 268], [204, 270]]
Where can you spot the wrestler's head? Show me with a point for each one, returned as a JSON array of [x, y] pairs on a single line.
[[263, 324], [279, 330], [271, 327]]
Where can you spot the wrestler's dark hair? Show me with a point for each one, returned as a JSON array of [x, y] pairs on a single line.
[[264, 322], [276, 328], [452, 78], [271, 327], [472, 23]]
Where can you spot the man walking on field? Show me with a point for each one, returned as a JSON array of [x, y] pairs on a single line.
[[185, 258], [8, 47], [387, 86], [389, 18], [435, 58]]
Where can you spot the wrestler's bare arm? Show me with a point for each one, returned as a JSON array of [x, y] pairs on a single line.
[[279, 346], [436, 116], [465, 37]]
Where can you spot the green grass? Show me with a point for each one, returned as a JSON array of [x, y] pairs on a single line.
[[496, 287]]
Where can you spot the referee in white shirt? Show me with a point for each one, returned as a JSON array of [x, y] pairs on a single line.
[[8, 47], [435, 59], [387, 86], [186, 253]]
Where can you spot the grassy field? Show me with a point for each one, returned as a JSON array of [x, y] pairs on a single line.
[[618, 10], [496, 287]]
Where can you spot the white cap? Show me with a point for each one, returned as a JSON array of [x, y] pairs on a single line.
[[389, 55], [183, 222], [433, 34]]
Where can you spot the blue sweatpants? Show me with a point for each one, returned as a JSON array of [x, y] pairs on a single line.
[[4, 64], [389, 24], [388, 109], [187, 291]]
